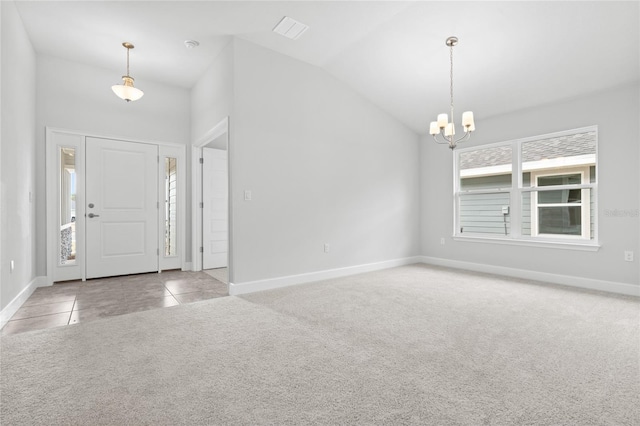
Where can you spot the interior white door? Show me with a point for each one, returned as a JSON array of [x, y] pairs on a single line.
[[215, 208], [121, 207]]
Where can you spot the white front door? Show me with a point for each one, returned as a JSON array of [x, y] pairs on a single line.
[[121, 207], [215, 207]]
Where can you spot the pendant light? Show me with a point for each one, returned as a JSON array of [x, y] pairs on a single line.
[[442, 130], [126, 90]]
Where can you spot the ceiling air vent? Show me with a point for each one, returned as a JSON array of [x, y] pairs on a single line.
[[290, 28]]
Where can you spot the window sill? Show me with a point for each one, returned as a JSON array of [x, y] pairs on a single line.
[[564, 245]]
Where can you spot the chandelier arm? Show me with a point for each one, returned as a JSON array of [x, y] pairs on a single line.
[[466, 136], [445, 142]]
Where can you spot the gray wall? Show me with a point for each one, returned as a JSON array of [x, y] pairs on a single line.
[[18, 152], [324, 166], [616, 114], [211, 102], [212, 95]]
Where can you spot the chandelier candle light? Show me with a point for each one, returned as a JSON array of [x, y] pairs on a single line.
[[442, 127], [126, 90]]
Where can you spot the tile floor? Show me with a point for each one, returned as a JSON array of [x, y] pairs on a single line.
[[76, 301]]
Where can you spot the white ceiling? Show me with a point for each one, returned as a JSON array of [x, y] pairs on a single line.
[[512, 55]]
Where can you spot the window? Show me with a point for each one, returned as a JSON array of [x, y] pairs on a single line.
[[67, 205], [170, 206], [561, 212], [540, 189]]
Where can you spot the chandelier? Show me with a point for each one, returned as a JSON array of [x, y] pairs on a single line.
[[443, 131], [126, 90]]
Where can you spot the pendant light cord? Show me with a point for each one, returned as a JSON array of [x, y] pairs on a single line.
[[451, 81]]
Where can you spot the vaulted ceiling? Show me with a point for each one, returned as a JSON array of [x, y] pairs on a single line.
[[511, 55]]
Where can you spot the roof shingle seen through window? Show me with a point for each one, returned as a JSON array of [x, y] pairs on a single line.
[[556, 147]]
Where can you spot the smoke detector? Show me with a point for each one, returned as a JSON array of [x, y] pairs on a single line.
[[191, 44], [290, 28]]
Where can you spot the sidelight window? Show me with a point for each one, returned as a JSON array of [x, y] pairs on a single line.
[[67, 205], [171, 206]]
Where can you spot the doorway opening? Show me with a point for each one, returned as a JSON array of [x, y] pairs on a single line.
[[212, 242]]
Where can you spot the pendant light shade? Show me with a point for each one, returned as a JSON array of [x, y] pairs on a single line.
[[126, 90]]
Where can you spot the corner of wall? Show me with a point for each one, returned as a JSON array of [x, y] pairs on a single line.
[[12, 307], [18, 161]]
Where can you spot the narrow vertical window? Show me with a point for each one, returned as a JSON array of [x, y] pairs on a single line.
[[171, 206], [67, 204]]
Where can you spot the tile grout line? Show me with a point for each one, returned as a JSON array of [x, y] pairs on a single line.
[[72, 309], [171, 293]]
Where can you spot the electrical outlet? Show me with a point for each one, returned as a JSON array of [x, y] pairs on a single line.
[[327, 248], [628, 256], [442, 240], [247, 195]]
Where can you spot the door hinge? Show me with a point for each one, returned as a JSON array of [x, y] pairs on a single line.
[[157, 204], [158, 252], [201, 160], [158, 158], [201, 249], [201, 205]]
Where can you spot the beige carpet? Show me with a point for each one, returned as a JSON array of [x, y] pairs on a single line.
[[410, 345]]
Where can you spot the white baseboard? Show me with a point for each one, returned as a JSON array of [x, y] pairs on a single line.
[[271, 283], [18, 301], [587, 283]]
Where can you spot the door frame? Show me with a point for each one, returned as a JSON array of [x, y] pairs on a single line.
[[51, 187], [196, 196]]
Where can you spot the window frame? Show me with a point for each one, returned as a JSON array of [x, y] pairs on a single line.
[[517, 191], [585, 200]]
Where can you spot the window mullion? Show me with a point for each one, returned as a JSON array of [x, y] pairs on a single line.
[[557, 187], [516, 195]]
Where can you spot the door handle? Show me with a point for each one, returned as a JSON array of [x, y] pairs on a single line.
[[91, 215]]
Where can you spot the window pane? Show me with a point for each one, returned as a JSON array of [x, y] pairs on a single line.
[[485, 214], [560, 196], [485, 168], [67, 205], [570, 179], [560, 151], [529, 198], [171, 206], [560, 220]]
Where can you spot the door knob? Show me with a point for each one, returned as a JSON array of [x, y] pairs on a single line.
[[91, 215]]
